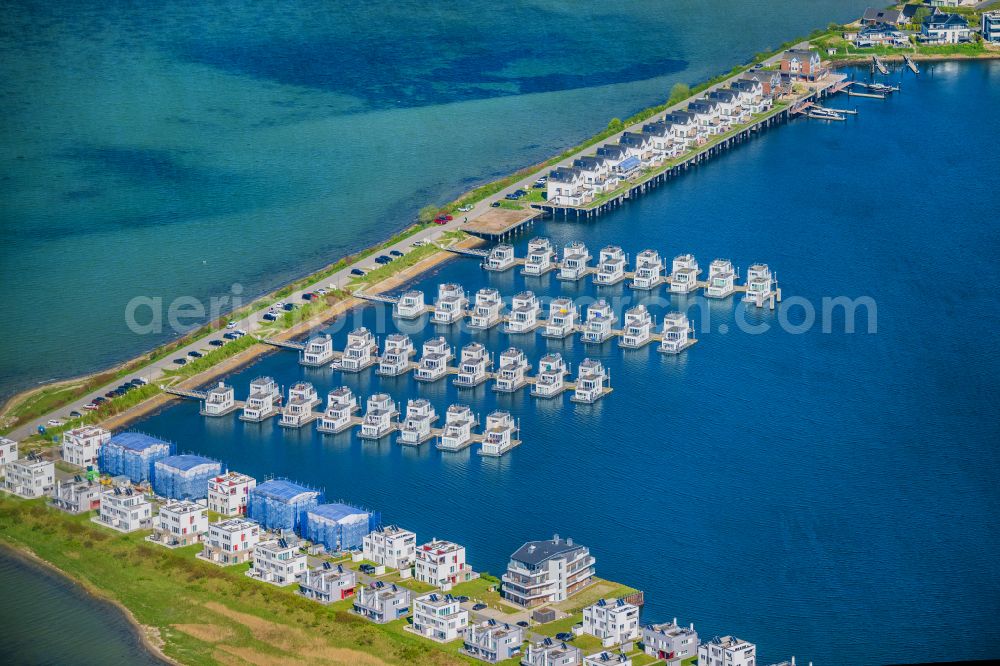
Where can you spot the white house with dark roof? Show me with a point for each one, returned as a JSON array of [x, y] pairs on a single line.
[[731, 109], [661, 138], [598, 176], [944, 28], [708, 116], [613, 621], [685, 128], [493, 641], [769, 79], [639, 145], [881, 34], [873, 16], [566, 187], [752, 95], [668, 640], [614, 154], [543, 572], [727, 651]]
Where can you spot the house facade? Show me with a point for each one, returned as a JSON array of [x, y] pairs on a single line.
[[382, 603], [613, 621], [278, 562], [945, 28], [228, 493], [727, 651], [670, 641], [493, 641], [76, 496], [802, 64], [80, 446], [990, 27], [441, 564], [230, 541], [390, 546], [550, 652], [8, 453], [543, 572], [30, 477], [439, 617], [180, 523], [124, 510], [328, 583]]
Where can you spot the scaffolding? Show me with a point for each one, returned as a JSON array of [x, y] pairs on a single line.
[[280, 504], [184, 477], [132, 454], [339, 527]]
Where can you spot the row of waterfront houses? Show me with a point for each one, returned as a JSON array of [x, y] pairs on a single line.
[[884, 27]]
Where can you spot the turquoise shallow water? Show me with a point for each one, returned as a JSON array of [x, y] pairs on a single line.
[[174, 149]]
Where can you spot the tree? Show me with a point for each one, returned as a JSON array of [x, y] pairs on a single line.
[[679, 92], [427, 214], [616, 125]]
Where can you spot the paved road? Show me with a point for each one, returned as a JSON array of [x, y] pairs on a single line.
[[250, 323]]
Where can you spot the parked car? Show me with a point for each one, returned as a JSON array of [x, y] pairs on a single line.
[[478, 607], [357, 271], [100, 400], [522, 623], [230, 336], [195, 354], [462, 599], [367, 569], [289, 307], [419, 243], [396, 253], [270, 316], [109, 394], [90, 406], [240, 332], [180, 361], [308, 296], [138, 381], [321, 292], [466, 208], [383, 259], [231, 324], [219, 343], [75, 414], [54, 423], [495, 204], [565, 636]]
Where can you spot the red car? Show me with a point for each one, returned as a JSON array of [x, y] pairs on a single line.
[[443, 219]]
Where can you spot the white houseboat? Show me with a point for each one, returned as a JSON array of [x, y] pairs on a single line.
[[562, 318], [540, 259], [648, 270], [361, 351], [637, 330], [487, 310], [610, 266], [600, 322], [684, 276], [298, 411], [450, 304], [474, 366], [575, 258], [395, 359], [340, 405], [500, 434], [410, 305], [433, 363], [378, 419], [317, 352], [512, 374], [219, 400], [263, 400], [676, 333], [500, 258], [721, 279], [524, 311], [457, 433], [760, 285], [551, 379], [416, 427], [591, 379]]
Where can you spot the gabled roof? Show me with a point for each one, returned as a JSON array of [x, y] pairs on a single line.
[[564, 174], [702, 106], [946, 20], [589, 162], [723, 95], [881, 15], [679, 117], [612, 150]]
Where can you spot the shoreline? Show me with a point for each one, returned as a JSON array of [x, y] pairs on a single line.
[[148, 636], [916, 57]]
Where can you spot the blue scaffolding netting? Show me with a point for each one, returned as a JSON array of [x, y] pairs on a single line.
[[280, 504], [132, 454], [339, 526], [185, 476]]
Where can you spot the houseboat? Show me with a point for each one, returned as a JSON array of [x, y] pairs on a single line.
[[512, 374], [524, 311], [457, 432], [263, 401], [500, 434], [410, 305], [648, 270], [433, 363], [575, 258], [487, 310], [551, 379], [637, 330], [298, 410], [600, 322], [396, 358], [378, 420], [721, 279], [684, 276], [361, 351], [340, 405], [591, 378], [760, 285], [317, 352], [450, 304], [219, 400], [474, 366], [562, 318], [610, 266], [500, 258], [416, 427], [676, 333], [540, 259]]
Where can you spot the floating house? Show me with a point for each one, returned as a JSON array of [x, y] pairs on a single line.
[[377, 422], [81, 446], [229, 493], [265, 395], [219, 400], [591, 380], [339, 527], [648, 270], [612, 621], [562, 318], [512, 374], [382, 603], [415, 429], [610, 266], [279, 562], [551, 380], [524, 311], [600, 322], [540, 259], [179, 523], [721, 279], [474, 366], [493, 641], [500, 434], [760, 285], [410, 305], [132, 454], [185, 476], [340, 405], [30, 477], [124, 509], [450, 304], [280, 504], [638, 327], [550, 652], [396, 358], [328, 583], [676, 333], [298, 411], [727, 651], [439, 617], [546, 572], [670, 641], [361, 351], [390, 546], [684, 276], [500, 258], [457, 432], [442, 564], [487, 310], [575, 258], [318, 351], [230, 541], [434, 360], [77, 496]]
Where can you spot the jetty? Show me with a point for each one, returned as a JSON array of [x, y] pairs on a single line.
[[912, 65], [879, 65]]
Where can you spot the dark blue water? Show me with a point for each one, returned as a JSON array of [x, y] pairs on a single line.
[[173, 149], [828, 495]]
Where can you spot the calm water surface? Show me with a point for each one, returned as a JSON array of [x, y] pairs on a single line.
[[782, 487]]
